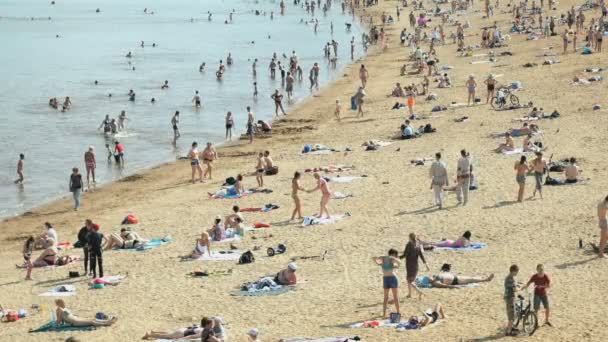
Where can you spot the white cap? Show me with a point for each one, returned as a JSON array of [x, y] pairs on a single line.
[[253, 332], [292, 266]]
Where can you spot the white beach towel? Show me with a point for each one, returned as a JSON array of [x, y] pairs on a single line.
[[344, 179], [515, 151], [60, 291], [218, 256], [231, 239], [339, 195], [312, 221]]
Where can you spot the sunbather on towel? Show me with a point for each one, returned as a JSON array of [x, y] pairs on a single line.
[[217, 231], [48, 257], [234, 190], [524, 130], [446, 279], [463, 241], [190, 333], [287, 276], [66, 316], [126, 239], [202, 247], [428, 317], [508, 145]]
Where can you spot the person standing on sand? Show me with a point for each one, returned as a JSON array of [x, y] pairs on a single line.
[[195, 162], [540, 167], [439, 176], [389, 278], [90, 164], [338, 110], [95, 241], [463, 177], [325, 194], [209, 156], [250, 124], [509, 296], [82, 240], [259, 170], [602, 208], [541, 283], [522, 168], [295, 187], [411, 254], [75, 186], [471, 85], [229, 125], [20, 165], [491, 84], [278, 102], [174, 122], [363, 75], [359, 100]]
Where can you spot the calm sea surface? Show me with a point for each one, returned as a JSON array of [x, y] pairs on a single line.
[[35, 65]]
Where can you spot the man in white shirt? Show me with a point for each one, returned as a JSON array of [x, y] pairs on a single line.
[[439, 176], [50, 233], [463, 176]]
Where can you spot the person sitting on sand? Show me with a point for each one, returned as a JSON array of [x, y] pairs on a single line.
[[126, 239], [230, 220], [264, 127], [65, 316], [572, 171], [49, 255], [528, 145], [190, 333], [398, 91], [508, 145], [50, 233], [428, 317], [461, 242], [444, 81], [217, 232], [407, 131], [203, 246], [237, 189], [287, 276], [390, 281], [448, 280]]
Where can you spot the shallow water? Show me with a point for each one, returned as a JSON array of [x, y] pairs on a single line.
[[35, 66]]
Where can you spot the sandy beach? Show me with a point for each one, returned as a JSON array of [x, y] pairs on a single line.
[[392, 201]]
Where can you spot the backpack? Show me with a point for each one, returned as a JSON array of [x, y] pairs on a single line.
[[230, 180], [429, 129], [246, 258]]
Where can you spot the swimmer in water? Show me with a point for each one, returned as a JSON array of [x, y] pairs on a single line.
[[107, 125], [201, 68], [165, 86], [129, 55], [255, 89]]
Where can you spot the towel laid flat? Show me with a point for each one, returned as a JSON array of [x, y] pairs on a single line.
[[274, 291], [53, 326], [344, 179], [472, 247], [220, 256], [60, 291], [321, 339], [312, 221]]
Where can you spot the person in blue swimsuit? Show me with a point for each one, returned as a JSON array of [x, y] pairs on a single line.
[[390, 281]]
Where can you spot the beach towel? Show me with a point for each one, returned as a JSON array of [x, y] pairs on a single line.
[[322, 339], [233, 238], [54, 326], [318, 152], [339, 195], [150, 245], [64, 245], [425, 282], [344, 179], [60, 291], [312, 221], [515, 151], [229, 195], [220, 256], [268, 291], [473, 247], [373, 324]]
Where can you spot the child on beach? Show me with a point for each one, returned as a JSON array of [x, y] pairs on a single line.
[[541, 283], [338, 110]]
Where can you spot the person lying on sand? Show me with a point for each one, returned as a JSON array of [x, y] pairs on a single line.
[[126, 239], [508, 145], [235, 190], [212, 330], [428, 317], [448, 280], [463, 241], [65, 316]]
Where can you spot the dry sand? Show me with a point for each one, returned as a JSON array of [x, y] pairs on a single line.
[[347, 287]]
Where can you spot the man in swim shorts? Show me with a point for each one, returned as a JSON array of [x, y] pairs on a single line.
[[209, 156], [259, 170], [540, 166], [602, 208], [509, 296]]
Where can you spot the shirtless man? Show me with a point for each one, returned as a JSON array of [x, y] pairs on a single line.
[[196, 100], [174, 122], [539, 165], [325, 194], [91, 164], [295, 187], [572, 171], [278, 102], [268, 160], [602, 208], [20, 169], [209, 156], [195, 162], [288, 85], [363, 75], [259, 170]]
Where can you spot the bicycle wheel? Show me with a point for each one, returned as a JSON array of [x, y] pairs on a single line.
[[530, 323], [514, 100], [495, 103]]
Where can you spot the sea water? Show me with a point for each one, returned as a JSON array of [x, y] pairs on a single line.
[[60, 50]]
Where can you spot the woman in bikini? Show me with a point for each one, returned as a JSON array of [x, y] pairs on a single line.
[[65, 316], [522, 168], [325, 194], [209, 156], [448, 280], [189, 333], [508, 145], [390, 281], [471, 85], [126, 239], [461, 242], [195, 162], [295, 187], [48, 257], [229, 125], [203, 246], [491, 84]]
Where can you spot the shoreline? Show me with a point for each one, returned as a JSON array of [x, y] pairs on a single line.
[[391, 202]]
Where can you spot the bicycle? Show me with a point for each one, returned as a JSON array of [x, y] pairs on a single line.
[[503, 95], [526, 315]]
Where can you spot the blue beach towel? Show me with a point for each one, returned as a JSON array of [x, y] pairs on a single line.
[[150, 245], [425, 282], [472, 247], [266, 292]]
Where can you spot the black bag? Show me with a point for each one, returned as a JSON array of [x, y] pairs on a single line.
[[246, 258], [230, 181], [74, 274], [429, 129]]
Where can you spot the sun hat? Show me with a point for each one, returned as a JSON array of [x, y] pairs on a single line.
[[292, 266]]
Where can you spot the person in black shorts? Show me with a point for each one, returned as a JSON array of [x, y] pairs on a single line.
[[83, 242], [95, 241], [174, 122]]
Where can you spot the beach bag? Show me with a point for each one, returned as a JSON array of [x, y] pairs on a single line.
[[429, 129], [74, 274], [395, 317], [246, 258], [130, 219], [230, 180], [272, 171]]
